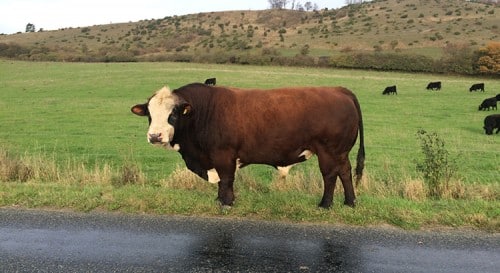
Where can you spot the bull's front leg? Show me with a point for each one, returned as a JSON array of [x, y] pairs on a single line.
[[226, 193], [226, 171]]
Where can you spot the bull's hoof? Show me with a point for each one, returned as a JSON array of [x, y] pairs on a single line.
[[351, 204], [223, 203], [324, 205]]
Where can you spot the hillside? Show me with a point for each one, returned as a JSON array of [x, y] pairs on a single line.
[[415, 26]]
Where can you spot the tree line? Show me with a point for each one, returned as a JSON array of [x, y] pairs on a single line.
[[293, 5], [457, 58]]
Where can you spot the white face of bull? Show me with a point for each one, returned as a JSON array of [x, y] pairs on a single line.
[[158, 109]]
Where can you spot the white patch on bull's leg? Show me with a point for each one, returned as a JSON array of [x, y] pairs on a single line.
[[213, 176], [160, 106], [283, 171], [307, 154]]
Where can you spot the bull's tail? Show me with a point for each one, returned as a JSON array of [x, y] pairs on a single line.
[[360, 160]]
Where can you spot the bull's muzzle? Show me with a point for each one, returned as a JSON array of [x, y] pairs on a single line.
[[155, 138]]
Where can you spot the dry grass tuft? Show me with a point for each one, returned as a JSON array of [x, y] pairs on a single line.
[[40, 169], [453, 190], [128, 174], [414, 190], [370, 185], [307, 182], [26, 168], [182, 178]]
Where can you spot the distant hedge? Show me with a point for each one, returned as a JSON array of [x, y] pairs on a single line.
[[459, 59], [386, 62]]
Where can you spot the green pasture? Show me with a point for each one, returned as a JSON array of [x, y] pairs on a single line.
[[79, 113]]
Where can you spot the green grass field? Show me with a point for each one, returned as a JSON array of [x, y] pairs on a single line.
[[78, 114]]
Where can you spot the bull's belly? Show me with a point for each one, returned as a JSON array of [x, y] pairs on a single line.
[[276, 159], [283, 163]]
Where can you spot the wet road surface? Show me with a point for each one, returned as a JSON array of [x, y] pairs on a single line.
[[42, 241]]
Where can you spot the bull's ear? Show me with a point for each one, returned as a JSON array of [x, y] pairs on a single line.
[[140, 109], [186, 109]]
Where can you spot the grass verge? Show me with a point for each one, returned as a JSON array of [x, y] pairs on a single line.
[[34, 182]]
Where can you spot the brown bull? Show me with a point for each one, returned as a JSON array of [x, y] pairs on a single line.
[[217, 129]]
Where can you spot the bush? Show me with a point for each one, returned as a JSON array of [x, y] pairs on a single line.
[[12, 169], [129, 174], [436, 167], [488, 59], [13, 50], [385, 61]]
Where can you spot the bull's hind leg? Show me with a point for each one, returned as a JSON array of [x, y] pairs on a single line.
[[329, 172], [331, 167], [346, 178], [329, 188]]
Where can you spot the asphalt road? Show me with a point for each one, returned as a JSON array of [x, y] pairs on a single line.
[[43, 241]]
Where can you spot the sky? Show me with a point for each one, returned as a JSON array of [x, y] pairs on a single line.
[[56, 14]]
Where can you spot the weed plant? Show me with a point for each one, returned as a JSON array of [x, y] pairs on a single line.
[[437, 167]]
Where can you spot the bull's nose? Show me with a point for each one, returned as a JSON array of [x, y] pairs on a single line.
[[154, 138]]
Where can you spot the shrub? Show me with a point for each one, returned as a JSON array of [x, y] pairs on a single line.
[[129, 174], [12, 169], [436, 166], [384, 61], [488, 59]]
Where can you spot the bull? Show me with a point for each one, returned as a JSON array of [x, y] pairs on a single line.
[[491, 123], [211, 81], [488, 103], [434, 86], [477, 87], [390, 90], [217, 129]]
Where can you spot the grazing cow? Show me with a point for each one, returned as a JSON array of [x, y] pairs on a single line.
[[488, 103], [210, 81], [476, 87], [490, 123], [434, 86], [390, 90], [217, 129]]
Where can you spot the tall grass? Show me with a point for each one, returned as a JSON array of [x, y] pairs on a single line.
[[37, 169]]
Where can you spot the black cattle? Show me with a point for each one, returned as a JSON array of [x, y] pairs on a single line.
[[390, 90], [491, 122], [497, 97], [217, 129], [434, 86], [210, 81], [488, 103], [477, 87]]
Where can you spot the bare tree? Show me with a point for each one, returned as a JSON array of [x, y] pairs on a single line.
[[278, 4], [308, 6], [352, 2], [30, 27]]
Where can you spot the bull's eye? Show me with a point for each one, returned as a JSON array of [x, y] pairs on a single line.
[[172, 118]]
